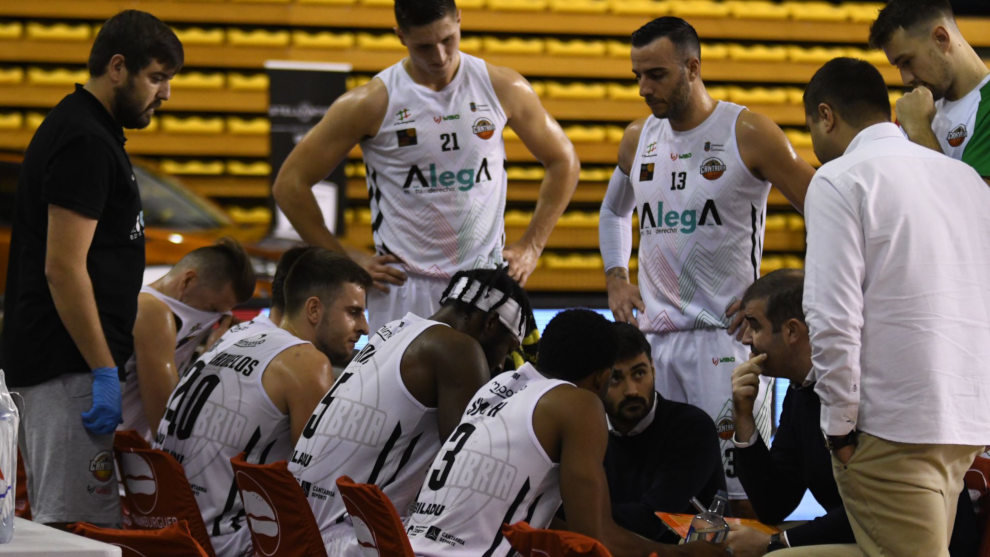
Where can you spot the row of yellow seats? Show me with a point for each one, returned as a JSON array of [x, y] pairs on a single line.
[[167, 123], [187, 79], [232, 167]]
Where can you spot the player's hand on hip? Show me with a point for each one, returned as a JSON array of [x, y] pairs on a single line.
[[915, 110], [378, 266], [746, 384], [102, 418], [624, 298], [521, 259], [747, 542]]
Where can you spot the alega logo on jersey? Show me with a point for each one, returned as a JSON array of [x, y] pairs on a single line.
[[956, 135], [669, 222], [444, 180]]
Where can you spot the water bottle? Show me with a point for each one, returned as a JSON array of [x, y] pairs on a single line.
[[709, 524], [9, 420]]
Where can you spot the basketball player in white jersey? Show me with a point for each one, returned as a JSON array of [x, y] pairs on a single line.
[[530, 440], [385, 417], [175, 315], [698, 172], [430, 129], [255, 388]]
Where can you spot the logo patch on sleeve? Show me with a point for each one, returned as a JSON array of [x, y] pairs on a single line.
[[406, 136]]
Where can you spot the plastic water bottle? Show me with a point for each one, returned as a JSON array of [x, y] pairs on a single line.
[[9, 420], [709, 524]]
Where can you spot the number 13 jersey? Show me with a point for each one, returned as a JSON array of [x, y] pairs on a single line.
[[492, 470], [436, 172], [701, 220]]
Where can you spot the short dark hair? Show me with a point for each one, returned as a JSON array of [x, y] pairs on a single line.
[[285, 263], [783, 291], [497, 279], [678, 31], [414, 13], [631, 342], [906, 14], [576, 343], [320, 272], [140, 37], [223, 263], [853, 88]]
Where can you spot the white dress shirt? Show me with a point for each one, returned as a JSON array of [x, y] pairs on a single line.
[[897, 292]]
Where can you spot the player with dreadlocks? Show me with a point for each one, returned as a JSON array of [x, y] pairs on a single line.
[[387, 414]]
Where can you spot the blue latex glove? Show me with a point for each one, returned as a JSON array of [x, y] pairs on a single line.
[[103, 417]]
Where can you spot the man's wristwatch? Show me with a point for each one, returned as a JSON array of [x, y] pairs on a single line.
[[776, 542], [836, 442]]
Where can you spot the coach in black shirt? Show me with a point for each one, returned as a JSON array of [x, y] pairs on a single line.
[[76, 265], [660, 452]]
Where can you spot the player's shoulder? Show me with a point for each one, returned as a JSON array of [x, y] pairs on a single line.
[[369, 98], [299, 357], [567, 403], [442, 343]]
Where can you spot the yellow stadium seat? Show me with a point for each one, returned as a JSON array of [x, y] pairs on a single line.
[[714, 51], [199, 35], [798, 138], [654, 8], [471, 45], [199, 80], [525, 173], [518, 218], [363, 215], [514, 45], [579, 219], [33, 119], [757, 9], [10, 121], [509, 134], [617, 49], [576, 47], [596, 174], [698, 8], [387, 41], [580, 6], [58, 31], [254, 168], [264, 1], [586, 134], [863, 12], [776, 223], [613, 134], [574, 261], [322, 39], [875, 57], [257, 37], [11, 76], [795, 223], [817, 11], [253, 215], [814, 54], [893, 96], [204, 168], [354, 170], [329, 2], [247, 82], [471, 4], [771, 263], [56, 76], [620, 92], [793, 262], [518, 5], [357, 80], [795, 95], [192, 124], [718, 93], [382, 3], [577, 90], [757, 53], [540, 88], [248, 126], [152, 127], [757, 95], [11, 30]]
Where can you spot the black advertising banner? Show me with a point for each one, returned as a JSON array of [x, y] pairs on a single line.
[[299, 94]]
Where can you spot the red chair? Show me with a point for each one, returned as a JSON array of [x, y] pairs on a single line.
[[376, 523], [977, 481], [278, 515], [158, 492], [173, 540], [538, 542]]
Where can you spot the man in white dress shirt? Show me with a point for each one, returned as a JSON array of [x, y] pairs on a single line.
[[898, 310]]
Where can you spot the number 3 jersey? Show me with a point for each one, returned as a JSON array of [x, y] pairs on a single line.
[[436, 172], [219, 409], [492, 470], [701, 221], [369, 427]]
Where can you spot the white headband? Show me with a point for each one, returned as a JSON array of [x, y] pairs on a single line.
[[509, 312]]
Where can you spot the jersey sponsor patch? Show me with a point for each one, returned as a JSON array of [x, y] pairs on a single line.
[[646, 172], [712, 168], [483, 128], [406, 137], [101, 466], [956, 135]]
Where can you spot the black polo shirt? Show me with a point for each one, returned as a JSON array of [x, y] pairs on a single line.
[[75, 160]]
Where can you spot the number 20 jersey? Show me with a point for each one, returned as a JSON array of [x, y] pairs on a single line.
[[218, 409], [492, 470], [436, 172], [701, 221], [369, 427]]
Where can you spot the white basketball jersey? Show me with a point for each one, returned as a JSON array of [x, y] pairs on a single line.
[[218, 410], [701, 218], [492, 470], [436, 172], [368, 427], [192, 327], [955, 122]]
